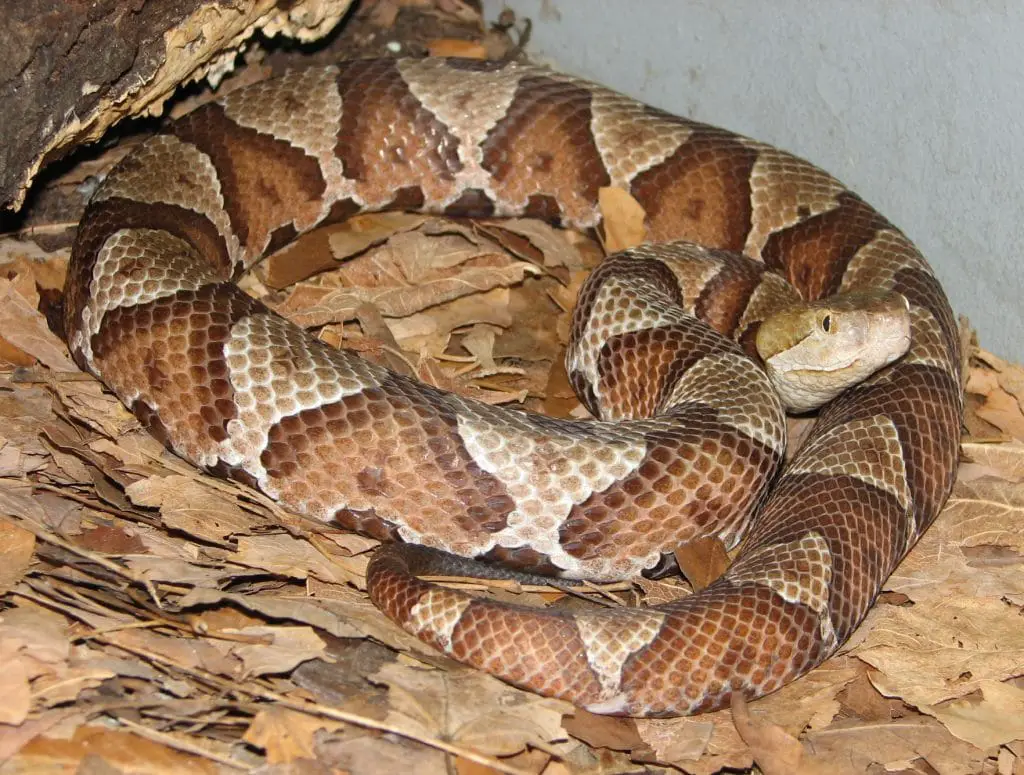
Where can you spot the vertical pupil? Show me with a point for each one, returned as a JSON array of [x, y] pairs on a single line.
[[826, 323]]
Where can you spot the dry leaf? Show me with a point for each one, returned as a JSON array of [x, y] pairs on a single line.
[[122, 750], [186, 504], [284, 555], [470, 708], [702, 561], [26, 329], [996, 719], [700, 745], [276, 608], [943, 649], [322, 249], [286, 735], [555, 246], [603, 731], [775, 750], [16, 547], [855, 748], [622, 218], [999, 407], [414, 331], [286, 648]]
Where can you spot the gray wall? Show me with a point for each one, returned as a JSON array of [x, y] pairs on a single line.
[[916, 105]]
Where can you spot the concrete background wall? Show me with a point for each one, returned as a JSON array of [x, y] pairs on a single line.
[[918, 106]]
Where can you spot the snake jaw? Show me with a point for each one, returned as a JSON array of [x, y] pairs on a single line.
[[815, 350]]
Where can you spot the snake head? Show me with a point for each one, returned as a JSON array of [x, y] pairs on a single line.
[[813, 351]]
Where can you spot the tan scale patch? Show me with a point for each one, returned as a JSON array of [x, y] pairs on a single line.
[[470, 103], [784, 191], [546, 471], [739, 392], [438, 612], [133, 267], [144, 177], [632, 138], [622, 305], [929, 345], [302, 108], [277, 370], [611, 639], [875, 264], [694, 267], [771, 295], [868, 449], [799, 571]]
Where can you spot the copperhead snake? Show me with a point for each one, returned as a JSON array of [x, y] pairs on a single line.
[[687, 444]]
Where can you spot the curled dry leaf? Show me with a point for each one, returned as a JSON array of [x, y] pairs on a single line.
[[939, 650], [286, 735], [776, 751], [25, 328], [622, 219], [283, 648], [185, 504], [996, 718], [471, 709], [16, 548]]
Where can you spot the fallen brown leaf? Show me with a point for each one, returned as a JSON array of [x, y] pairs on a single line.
[[16, 548], [775, 750], [994, 719], [702, 561], [185, 504], [25, 328], [471, 708], [286, 735], [622, 219]]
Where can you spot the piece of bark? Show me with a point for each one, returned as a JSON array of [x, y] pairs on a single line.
[[73, 70]]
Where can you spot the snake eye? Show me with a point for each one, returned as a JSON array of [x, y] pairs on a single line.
[[826, 323]]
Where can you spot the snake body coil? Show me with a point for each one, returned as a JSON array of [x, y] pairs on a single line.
[[152, 310]]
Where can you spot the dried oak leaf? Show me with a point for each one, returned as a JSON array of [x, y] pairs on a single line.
[[285, 647], [775, 750], [470, 708], [622, 219], [996, 718], [187, 504], [286, 735], [25, 328], [16, 548]]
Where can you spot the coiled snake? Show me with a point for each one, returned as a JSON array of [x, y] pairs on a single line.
[[690, 434]]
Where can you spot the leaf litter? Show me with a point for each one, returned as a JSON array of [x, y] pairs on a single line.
[[152, 618]]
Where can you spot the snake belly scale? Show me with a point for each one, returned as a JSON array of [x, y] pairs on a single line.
[[152, 310]]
